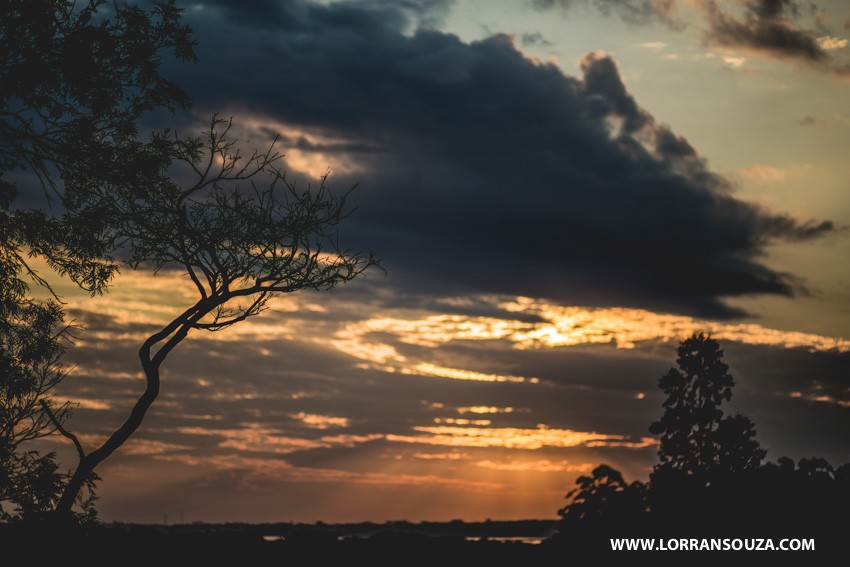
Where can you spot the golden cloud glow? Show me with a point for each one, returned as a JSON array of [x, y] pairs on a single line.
[[561, 327], [541, 465], [441, 456], [830, 43], [357, 340], [311, 159], [141, 298], [462, 421], [820, 398], [571, 326], [507, 437], [484, 409], [733, 61], [428, 369], [316, 421], [254, 437]]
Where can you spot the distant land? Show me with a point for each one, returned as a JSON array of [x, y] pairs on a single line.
[[397, 543], [390, 543]]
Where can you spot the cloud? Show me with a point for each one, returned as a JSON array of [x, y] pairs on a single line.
[[536, 38], [514, 438], [490, 172], [734, 62], [637, 12], [764, 173], [541, 465], [315, 421], [378, 341], [771, 27], [484, 410], [820, 398], [266, 419], [829, 43]]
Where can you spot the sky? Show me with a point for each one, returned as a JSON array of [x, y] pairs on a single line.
[[559, 192]]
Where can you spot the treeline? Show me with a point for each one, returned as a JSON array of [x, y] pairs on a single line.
[[711, 479]]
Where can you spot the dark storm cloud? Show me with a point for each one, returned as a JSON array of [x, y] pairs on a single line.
[[769, 26], [639, 12], [486, 171]]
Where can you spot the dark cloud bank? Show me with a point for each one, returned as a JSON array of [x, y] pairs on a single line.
[[482, 170], [638, 12], [770, 26], [774, 28]]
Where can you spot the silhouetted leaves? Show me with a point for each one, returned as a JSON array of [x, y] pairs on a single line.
[[75, 77], [605, 497], [710, 478], [240, 231], [696, 439]]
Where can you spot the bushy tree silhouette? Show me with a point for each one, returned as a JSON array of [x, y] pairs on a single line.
[[702, 453], [696, 439], [75, 77], [710, 475], [604, 496], [30, 348]]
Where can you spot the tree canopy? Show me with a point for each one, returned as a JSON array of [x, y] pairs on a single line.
[[75, 78], [696, 439], [710, 476]]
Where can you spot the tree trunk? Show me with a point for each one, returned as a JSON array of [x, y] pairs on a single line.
[[175, 332], [90, 461]]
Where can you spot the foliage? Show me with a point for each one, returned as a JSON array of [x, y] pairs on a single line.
[[75, 77], [31, 344], [696, 439], [710, 475], [604, 496], [242, 233]]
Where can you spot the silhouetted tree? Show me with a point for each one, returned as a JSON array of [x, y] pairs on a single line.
[[703, 455], [601, 504], [241, 232], [697, 441], [710, 477], [74, 79], [30, 348], [604, 497]]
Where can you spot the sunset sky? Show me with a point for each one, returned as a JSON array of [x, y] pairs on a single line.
[[559, 191]]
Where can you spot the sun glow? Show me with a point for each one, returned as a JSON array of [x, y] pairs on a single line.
[[514, 438]]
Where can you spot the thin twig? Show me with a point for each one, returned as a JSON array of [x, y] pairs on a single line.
[[62, 430]]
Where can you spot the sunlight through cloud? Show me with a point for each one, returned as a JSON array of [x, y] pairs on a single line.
[[513, 438]]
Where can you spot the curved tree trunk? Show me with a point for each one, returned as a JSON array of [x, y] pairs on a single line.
[[174, 332], [90, 461]]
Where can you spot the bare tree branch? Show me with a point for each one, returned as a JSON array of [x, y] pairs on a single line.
[[80, 452], [250, 243]]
